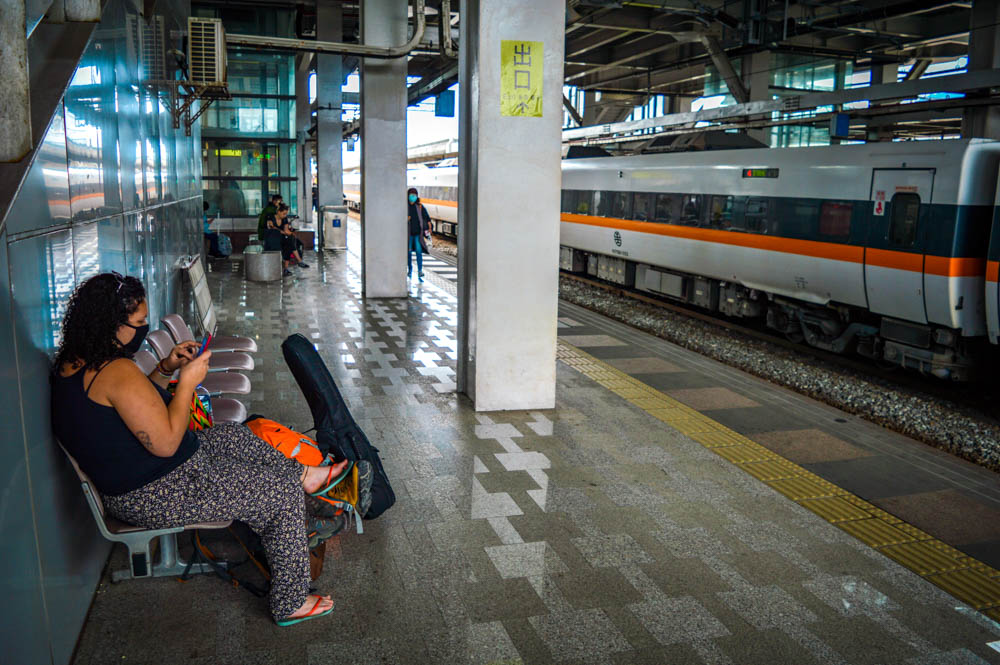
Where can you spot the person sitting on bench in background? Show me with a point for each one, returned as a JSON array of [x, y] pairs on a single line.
[[131, 437], [291, 246]]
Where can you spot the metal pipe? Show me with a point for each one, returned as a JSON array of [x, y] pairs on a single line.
[[361, 50], [448, 49]]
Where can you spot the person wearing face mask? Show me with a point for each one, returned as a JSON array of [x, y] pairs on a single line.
[[419, 224], [131, 437]]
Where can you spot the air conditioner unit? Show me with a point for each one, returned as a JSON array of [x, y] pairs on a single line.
[[147, 47], [206, 52]]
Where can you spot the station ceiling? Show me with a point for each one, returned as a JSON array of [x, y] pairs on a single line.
[[630, 49]]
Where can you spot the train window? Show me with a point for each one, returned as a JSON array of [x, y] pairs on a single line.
[[903, 225], [722, 212], [622, 207], [756, 215], [835, 219], [602, 203], [665, 209], [568, 200], [584, 204], [640, 207], [691, 209]]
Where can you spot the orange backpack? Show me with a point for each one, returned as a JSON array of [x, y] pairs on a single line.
[[301, 448], [289, 443]]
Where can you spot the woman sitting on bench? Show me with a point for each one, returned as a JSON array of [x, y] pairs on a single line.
[[131, 437]]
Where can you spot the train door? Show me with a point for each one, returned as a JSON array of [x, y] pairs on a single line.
[[894, 257]]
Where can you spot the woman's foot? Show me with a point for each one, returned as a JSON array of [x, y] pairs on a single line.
[[316, 477], [315, 606]]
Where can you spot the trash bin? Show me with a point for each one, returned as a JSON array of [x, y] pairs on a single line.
[[263, 267], [334, 221]]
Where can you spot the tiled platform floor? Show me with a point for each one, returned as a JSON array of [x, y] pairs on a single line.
[[590, 533]]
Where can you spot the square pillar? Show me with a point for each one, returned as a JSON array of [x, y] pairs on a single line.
[[509, 195], [15, 120], [329, 126], [383, 153], [757, 78], [984, 53], [303, 120]]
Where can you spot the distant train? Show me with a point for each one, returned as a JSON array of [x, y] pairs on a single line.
[[890, 250]]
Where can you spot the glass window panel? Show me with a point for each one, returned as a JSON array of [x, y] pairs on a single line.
[[756, 217], [722, 212], [622, 206], [233, 198], [691, 209], [835, 219], [641, 207], [665, 208], [905, 214]]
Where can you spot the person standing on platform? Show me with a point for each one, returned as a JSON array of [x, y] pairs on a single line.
[[210, 235], [419, 225]]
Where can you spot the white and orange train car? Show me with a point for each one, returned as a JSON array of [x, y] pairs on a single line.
[[891, 250]]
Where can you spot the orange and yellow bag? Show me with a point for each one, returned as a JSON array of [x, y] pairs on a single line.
[[289, 443]]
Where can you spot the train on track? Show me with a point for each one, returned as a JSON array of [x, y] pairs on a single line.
[[890, 250]]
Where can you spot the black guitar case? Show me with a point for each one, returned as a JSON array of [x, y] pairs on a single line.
[[336, 430]]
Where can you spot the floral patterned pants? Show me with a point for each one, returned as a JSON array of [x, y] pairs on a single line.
[[234, 476]]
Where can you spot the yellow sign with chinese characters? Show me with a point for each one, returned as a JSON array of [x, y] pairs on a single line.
[[521, 78]]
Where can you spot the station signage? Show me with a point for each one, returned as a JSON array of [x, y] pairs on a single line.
[[521, 78]]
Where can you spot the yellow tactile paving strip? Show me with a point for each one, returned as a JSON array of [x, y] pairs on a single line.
[[969, 580]]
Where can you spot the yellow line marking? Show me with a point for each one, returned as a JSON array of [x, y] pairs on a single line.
[[964, 577]]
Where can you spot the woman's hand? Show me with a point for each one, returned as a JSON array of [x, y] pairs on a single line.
[[194, 370], [180, 355]]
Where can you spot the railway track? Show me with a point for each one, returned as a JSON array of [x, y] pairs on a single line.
[[979, 399]]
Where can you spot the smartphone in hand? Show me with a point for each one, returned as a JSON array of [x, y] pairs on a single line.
[[204, 344]]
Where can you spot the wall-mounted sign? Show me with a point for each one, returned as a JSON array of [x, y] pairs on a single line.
[[521, 78]]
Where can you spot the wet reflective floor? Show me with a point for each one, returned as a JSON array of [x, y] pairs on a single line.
[[590, 533]]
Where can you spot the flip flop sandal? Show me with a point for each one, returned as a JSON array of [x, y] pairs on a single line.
[[331, 481], [311, 614]]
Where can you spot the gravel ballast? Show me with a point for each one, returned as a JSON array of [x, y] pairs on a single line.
[[934, 421]]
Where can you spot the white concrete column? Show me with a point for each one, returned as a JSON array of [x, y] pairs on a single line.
[[88, 11], [15, 104], [757, 78], [509, 192], [984, 53], [383, 153], [882, 74], [303, 120], [329, 127]]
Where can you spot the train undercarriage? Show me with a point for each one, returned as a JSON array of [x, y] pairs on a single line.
[[836, 328]]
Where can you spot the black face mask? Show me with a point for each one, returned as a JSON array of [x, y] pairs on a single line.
[[140, 334]]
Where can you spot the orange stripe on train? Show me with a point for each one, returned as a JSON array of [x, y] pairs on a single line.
[[993, 271]]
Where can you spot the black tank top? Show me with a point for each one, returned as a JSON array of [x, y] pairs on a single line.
[[101, 442]]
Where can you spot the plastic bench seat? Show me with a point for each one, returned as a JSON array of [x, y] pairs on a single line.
[[138, 539]]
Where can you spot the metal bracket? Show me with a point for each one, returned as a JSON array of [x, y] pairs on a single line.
[[182, 101]]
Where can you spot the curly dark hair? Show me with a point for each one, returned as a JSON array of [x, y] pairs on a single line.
[[95, 311]]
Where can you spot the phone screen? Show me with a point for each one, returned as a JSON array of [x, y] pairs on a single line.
[[204, 343]]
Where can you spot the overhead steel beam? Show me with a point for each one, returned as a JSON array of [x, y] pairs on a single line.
[[362, 50], [432, 84], [721, 62], [577, 118], [594, 40], [918, 69], [977, 80], [679, 36]]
